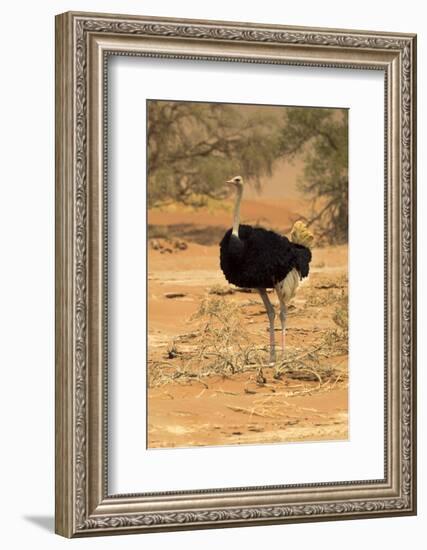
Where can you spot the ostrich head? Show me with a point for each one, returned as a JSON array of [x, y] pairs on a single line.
[[237, 182]]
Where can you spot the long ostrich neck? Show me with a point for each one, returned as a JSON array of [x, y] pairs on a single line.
[[236, 213]]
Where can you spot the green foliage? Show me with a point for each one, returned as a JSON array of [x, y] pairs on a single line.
[[321, 137], [193, 148]]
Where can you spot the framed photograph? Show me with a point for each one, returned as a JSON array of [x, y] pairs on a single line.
[[235, 274]]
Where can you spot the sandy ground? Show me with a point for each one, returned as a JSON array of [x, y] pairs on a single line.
[[223, 414], [254, 405]]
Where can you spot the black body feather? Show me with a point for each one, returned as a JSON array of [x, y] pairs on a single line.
[[260, 258]]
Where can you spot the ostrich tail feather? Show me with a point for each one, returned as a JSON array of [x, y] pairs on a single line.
[[301, 234]]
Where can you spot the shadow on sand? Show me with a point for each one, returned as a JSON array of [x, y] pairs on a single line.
[[205, 235]]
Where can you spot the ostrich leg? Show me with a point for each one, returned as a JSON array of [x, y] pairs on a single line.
[[271, 315], [283, 313]]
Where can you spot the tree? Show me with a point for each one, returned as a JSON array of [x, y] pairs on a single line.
[[321, 137], [193, 148]]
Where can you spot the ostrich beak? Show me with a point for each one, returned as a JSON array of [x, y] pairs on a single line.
[[230, 182]]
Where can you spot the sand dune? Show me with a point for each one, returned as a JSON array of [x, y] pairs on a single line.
[[268, 212]]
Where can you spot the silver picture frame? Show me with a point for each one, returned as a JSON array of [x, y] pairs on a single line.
[[84, 41]]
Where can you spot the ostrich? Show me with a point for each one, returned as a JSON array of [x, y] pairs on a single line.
[[254, 257]]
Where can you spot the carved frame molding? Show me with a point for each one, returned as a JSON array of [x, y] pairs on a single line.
[[83, 43]]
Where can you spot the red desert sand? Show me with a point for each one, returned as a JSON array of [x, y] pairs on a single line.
[[195, 397]]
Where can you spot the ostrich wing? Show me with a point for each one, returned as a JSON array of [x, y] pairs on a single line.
[[258, 259]]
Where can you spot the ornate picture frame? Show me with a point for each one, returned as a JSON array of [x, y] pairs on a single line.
[[84, 42]]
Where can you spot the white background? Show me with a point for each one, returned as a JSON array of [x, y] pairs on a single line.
[[132, 80], [27, 275]]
